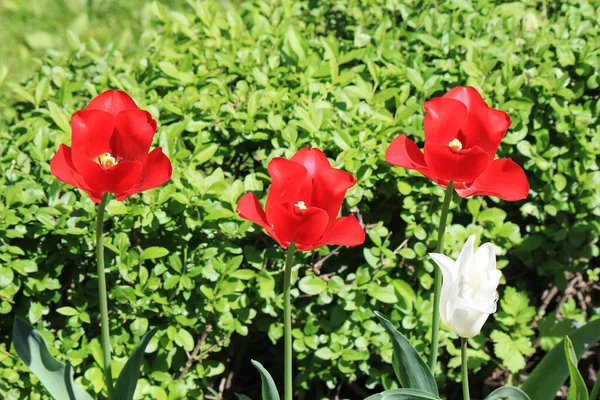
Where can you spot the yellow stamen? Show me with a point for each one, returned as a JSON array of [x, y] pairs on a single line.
[[301, 205], [455, 144], [106, 160]]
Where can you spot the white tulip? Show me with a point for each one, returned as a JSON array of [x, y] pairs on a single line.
[[469, 286]]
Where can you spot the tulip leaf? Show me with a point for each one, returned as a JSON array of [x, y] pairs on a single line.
[[56, 377], [127, 381], [269, 390], [578, 390], [550, 374], [403, 394], [508, 393], [411, 370]]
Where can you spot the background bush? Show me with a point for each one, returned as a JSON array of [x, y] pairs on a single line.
[[233, 85]]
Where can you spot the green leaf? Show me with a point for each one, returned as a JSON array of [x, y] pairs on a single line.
[[403, 394], [412, 371], [312, 285], [578, 390], [127, 381], [509, 393], [269, 390], [547, 378], [56, 377], [154, 252]]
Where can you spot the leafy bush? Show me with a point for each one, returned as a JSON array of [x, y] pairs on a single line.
[[234, 86]]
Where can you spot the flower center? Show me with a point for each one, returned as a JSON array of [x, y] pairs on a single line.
[[301, 205], [455, 144], [106, 160]]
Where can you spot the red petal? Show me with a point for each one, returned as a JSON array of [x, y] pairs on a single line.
[[117, 179], [113, 102], [312, 159], [403, 152], [62, 167], [303, 227], [345, 231], [504, 179], [249, 208], [156, 172], [461, 166], [288, 182], [485, 126], [443, 121], [133, 136], [91, 136], [329, 189]]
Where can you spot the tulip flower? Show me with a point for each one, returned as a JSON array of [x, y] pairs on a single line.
[[462, 135], [302, 210], [109, 149], [468, 288], [303, 203]]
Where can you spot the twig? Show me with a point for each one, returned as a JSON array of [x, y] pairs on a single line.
[[192, 357]]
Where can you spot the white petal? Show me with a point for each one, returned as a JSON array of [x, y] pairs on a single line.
[[467, 322], [449, 270], [465, 255]]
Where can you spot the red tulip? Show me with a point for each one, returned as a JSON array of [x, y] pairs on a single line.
[[303, 203], [109, 149], [462, 135]]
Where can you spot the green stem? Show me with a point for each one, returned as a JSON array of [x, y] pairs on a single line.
[[102, 297], [435, 326], [287, 322], [595, 389], [465, 371]]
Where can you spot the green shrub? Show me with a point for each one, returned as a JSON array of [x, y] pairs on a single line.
[[234, 86]]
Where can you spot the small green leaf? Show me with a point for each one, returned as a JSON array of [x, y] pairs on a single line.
[[412, 371], [269, 390], [578, 390], [127, 381], [154, 252], [403, 394], [509, 393], [56, 377], [312, 285]]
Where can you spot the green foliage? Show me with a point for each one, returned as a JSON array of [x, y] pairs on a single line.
[[578, 390], [269, 390], [234, 86]]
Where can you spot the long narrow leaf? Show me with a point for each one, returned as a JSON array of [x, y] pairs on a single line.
[[508, 393], [412, 371], [127, 381], [403, 394], [550, 374], [56, 377], [578, 390], [269, 390]]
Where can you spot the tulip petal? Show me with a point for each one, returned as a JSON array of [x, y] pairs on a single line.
[[345, 231], [485, 126], [134, 131], [403, 152], [504, 179], [313, 160], [461, 166], [62, 167], [449, 276], [91, 136], [443, 121], [467, 322], [329, 189], [250, 209], [293, 225], [288, 182], [157, 171], [113, 102]]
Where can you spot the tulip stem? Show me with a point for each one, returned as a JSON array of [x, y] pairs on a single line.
[[595, 389], [435, 326], [102, 297], [287, 322], [465, 372]]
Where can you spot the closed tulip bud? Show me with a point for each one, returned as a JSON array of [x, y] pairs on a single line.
[[469, 286]]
